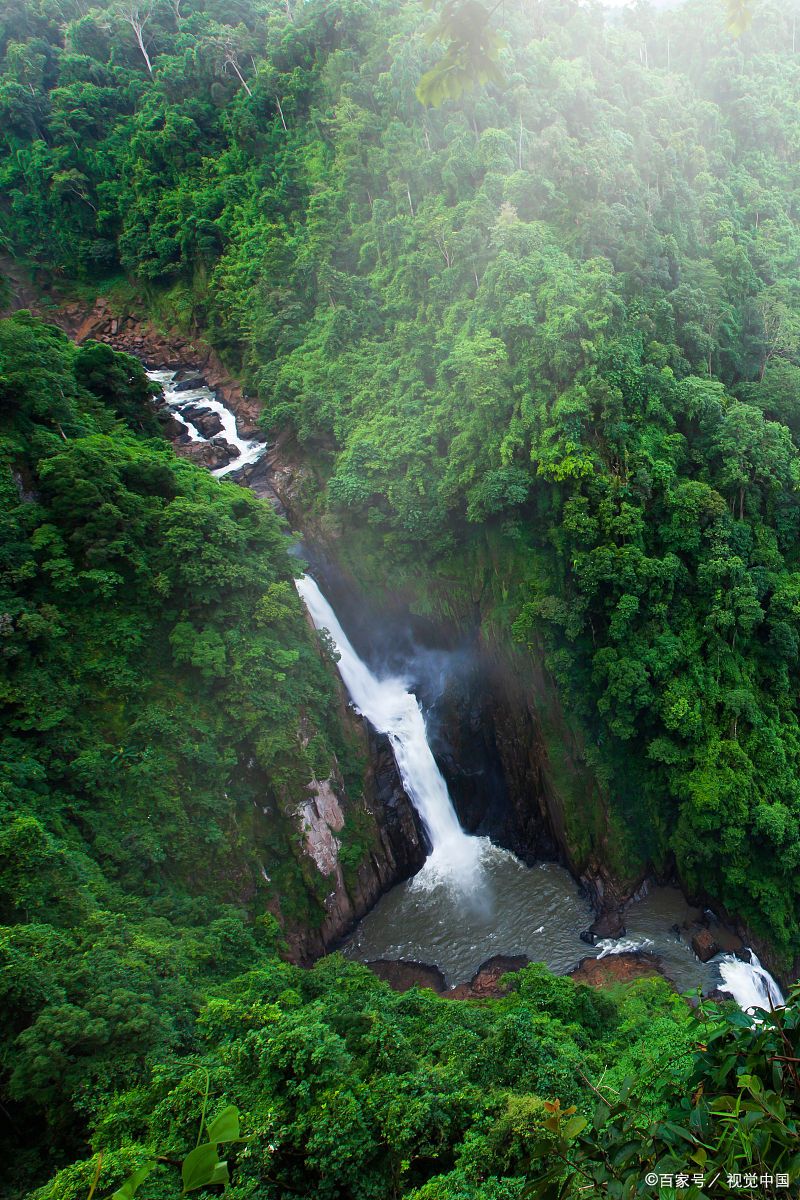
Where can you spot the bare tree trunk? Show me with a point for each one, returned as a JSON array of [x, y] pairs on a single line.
[[280, 113], [143, 49], [231, 60], [410, 205], [137, 21]]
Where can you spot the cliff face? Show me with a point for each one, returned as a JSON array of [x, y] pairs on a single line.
[[319, 855], [392, 845]]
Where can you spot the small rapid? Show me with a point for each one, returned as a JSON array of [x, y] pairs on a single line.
[[392, 709], [179, 399], [750, 984]]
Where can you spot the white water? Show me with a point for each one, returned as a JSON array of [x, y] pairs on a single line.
[[749, 983], [461, 862], [203, 397], [393, 710]]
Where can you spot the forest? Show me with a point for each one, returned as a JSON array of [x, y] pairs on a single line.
[[540, 341]]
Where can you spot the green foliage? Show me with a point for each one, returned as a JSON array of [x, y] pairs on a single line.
[[164, 707], [350, 1089], [543, 342], [739, 1117]]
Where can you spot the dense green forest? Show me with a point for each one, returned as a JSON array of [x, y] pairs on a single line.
[[156, 673], [543, 343]]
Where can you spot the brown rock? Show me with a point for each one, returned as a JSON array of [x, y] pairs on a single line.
[[214, 454], [704, 945], [616, 968], [403, 974], [485, 983]]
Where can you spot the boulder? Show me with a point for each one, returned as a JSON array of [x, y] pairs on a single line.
[[209, 423], [609, 924], [402, 974], [719, 995], [187, 381], [213, 455], [617, 968], [704, 945], [485, 983], [171, 427]]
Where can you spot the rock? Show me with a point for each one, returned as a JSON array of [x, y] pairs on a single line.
[[617, 968], [214, 454], [730, 942], [403, 974], [209, 424], [187, 381], [704, 945], [171, 427], [485, 983], [719, 995], [609, 924]]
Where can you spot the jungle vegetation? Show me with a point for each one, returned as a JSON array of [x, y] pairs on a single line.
[[543, 339]]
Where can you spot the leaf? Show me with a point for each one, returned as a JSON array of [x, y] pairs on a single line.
[[133, 1182], [225, 1126], [574, 1126], [221, 1174], [199, 1167]]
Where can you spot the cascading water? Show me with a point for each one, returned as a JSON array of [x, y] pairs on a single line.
[[749, 983], [393, 710], [411, 920], [203, 397]]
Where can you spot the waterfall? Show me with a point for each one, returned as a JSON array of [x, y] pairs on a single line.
[[749, 983], [393, 710]]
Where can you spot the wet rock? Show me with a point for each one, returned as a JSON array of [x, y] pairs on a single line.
[[403, 974], [258, 476], [617, 968], [704, 945], [609, 924], [213, 455], [171, 427], [719, 995], [209, 424], [485, 983], [187, 382]]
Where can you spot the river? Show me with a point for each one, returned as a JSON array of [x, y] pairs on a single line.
[[472, 899]]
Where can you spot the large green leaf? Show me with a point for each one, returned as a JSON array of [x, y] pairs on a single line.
[[225, 1126], [199, 1167], [133, 1182]]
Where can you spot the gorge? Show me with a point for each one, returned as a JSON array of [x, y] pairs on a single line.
[[400, 689], [472, 899]]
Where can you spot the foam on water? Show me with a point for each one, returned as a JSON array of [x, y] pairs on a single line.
[[249, 450], [455, 858], [749, 983]]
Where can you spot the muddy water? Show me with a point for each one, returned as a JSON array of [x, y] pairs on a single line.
[[537, 911]]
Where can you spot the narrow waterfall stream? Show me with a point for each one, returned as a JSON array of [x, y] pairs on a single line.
[[391, 709], [472, 900]]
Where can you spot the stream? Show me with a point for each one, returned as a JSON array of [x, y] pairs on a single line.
[[471, 899]]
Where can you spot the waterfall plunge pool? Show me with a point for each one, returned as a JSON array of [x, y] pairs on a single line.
[[472, 900]]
